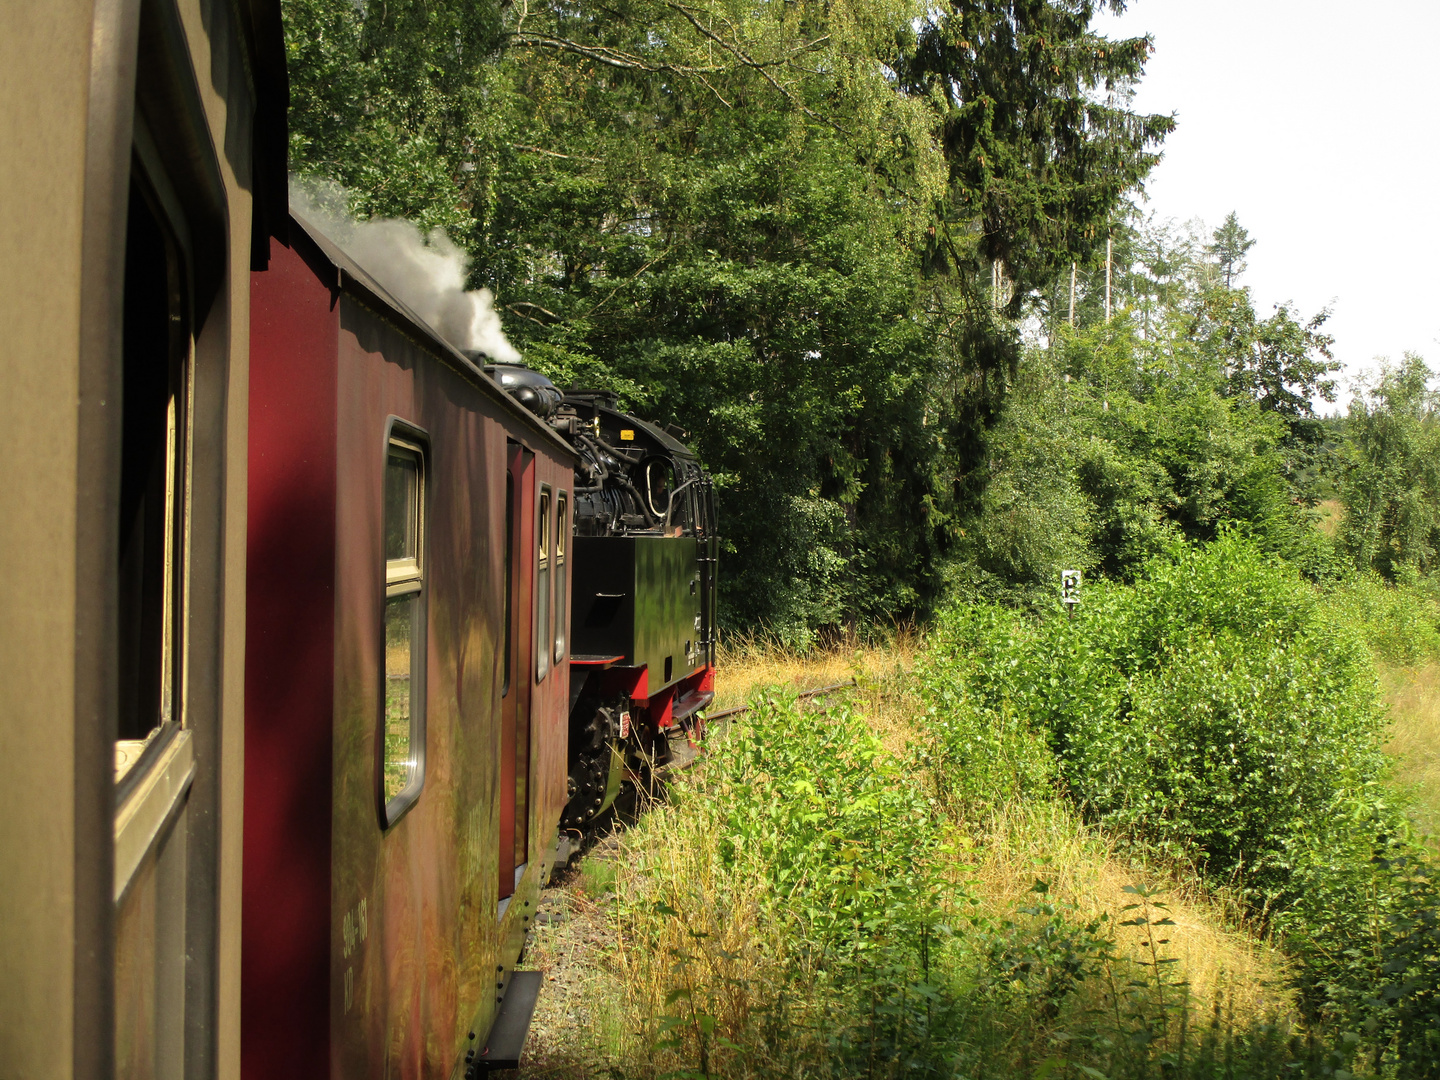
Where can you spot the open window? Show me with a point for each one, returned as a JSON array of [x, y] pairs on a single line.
[[402, 724], [509, 577], [544, 613], [562, 592], [153, 476]]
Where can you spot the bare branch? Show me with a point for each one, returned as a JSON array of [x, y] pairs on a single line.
[[537, 307], [555, 154], [745, 58], [713, 90], [611, 294], [607, 56]]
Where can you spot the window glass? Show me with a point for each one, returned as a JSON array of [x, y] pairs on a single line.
[[562, 534], [402, 502], [509, 573], [403, 709], [155, 366], [399, 714]]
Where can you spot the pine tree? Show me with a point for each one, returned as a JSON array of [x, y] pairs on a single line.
[[1040, 142], [1232, 241]]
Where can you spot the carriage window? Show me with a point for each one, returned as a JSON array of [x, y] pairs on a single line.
[[403, 767], [562, 534], [543, 610], [155, 367]]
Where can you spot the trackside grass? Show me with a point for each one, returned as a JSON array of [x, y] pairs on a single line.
[[1161, 841]]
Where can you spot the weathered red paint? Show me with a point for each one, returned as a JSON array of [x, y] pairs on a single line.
[[289, 674], [371, 951], [515, 710]]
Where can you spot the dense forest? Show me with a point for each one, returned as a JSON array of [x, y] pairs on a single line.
[[889, 266], [857, 251]]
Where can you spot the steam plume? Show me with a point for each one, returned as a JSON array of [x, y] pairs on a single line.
[[426, 273]]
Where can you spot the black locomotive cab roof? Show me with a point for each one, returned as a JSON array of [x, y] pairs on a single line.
[[605, 404]]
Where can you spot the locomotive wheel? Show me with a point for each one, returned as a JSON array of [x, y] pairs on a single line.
[[594, 727], [602, 744]]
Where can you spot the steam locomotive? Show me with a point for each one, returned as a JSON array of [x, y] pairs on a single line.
[[645, 552], [320, 639]]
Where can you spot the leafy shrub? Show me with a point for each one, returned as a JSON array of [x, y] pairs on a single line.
[[1364, 922], [825, 846], [990, 751], [1400, 623], [1211, 711], [1223, 712], [852, 850]]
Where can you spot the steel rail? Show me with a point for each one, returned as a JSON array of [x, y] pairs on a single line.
[[819, 691]]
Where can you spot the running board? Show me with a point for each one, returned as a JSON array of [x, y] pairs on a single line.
[[506, 1042], [690, 704]]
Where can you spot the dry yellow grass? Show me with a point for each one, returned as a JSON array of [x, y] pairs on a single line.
[[746, 664], [1414, 698], [1332, 512], [1219, 957]]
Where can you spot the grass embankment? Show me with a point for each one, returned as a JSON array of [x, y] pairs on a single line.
[[1402, 627], [1413, 694], [1224, 960], [1155, 842]]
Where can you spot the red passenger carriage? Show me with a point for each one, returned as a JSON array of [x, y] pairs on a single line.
[[406, 689]]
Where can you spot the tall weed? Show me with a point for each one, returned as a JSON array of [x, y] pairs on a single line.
[[825, 845], [802, 908]]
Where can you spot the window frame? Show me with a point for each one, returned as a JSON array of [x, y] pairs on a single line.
[[405, 579], [544, 571], [559, 584]]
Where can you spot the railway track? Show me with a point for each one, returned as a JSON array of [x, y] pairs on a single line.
[[819, 691], [687, 753]]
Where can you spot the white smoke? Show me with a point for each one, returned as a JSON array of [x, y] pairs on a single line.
[[424, 272]]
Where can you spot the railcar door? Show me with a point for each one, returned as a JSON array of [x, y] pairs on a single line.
[[520, 568]]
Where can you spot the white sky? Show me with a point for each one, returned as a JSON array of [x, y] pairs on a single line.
[[1317, 123]]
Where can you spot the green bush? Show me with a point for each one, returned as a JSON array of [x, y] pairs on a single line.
[[1223, 712], [1213, 711], [1400, 623], [990, 751], [851, 849]]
